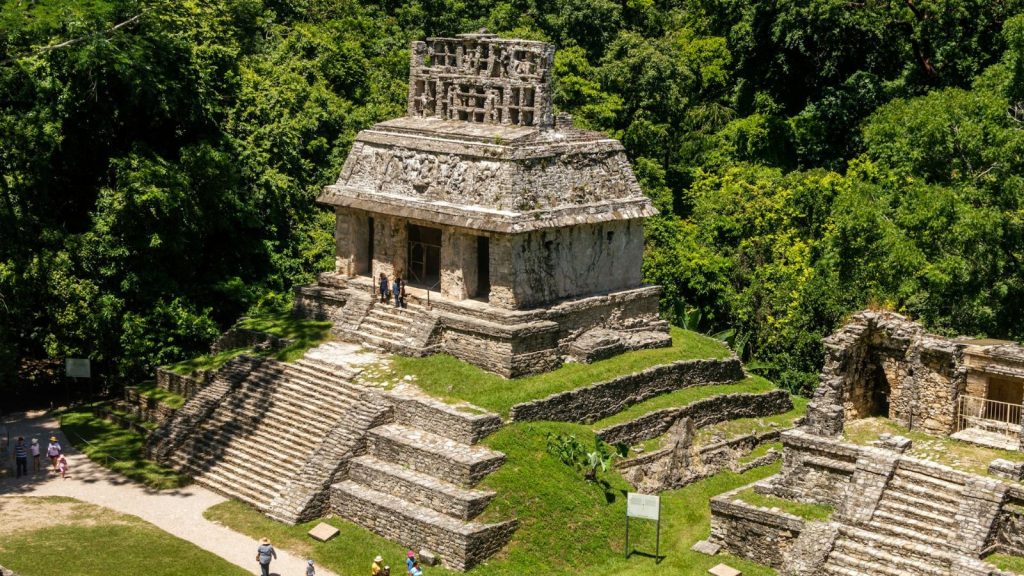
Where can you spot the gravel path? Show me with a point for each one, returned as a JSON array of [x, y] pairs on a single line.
[[179, 512]]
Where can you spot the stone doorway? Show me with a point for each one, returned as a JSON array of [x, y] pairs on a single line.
[[424, 256], [483, 268]]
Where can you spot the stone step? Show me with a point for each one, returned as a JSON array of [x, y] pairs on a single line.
[[404, 335], [237, 483], [871, 556], [913, 500], [883, 526], [936, 484], [274, 432], [880, 536], [463, 422], [833, 569], [306, 430], [910, 487], [441, 457], [461, 545], [418, 488], [250, 443], [259, 475], [859, 566], [321, 380], [925, 519], [317, 366], [302, 386], [255, 400]]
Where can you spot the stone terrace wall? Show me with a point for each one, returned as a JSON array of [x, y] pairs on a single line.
[[186, 386], [587, 405], [752, 532], [1008, 536], [815, 469], [245, 338], [704, 412], [145, 407]]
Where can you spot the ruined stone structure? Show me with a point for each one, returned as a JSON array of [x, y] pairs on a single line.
[[394, 461], [881, 364], [894, 514], [520, 237]]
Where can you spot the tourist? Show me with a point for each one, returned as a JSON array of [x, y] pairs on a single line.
[[35, 455], [62, 465], [53, 452], [396, 290], [376, 569], [410, 559], [264, 554], [310, 570], [383, 288], [415, 570], [402, 291], [20, 458], [386, 571]]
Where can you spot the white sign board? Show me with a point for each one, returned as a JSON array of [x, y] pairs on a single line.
[[643, 506], [77, 367]]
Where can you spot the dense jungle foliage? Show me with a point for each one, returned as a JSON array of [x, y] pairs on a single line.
[[159, 159]]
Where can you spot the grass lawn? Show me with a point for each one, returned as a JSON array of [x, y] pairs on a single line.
[[567, 525], [116, 448], [205, 362], [684, 396], [801, 509], [760, 451], [170, 399], [943, 450], [61, 536], [1007, 562], [453, 380]]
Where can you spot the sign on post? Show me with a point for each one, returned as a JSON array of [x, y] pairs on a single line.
[[646, 507], [77, 367]]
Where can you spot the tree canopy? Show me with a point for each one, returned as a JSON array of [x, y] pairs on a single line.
[[159, 160]]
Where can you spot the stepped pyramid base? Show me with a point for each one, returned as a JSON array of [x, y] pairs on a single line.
[[510, 342]]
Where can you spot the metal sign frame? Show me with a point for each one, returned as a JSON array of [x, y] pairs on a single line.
[[639, 514]]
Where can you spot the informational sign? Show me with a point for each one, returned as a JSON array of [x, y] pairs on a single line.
[[643, 506], [77, 368]]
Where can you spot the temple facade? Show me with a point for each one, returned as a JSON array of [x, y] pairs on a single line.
[[519, 237]]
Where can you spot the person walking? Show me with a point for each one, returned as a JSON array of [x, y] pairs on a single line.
[[62, 466], [34, 449], [396, 290], [383, 288], [264, 554], [310, 570], [20, 458], [53, 452]]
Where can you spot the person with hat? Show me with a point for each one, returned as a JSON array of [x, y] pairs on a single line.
[[410, 559], [376, 568], [264, 554], [53, 451], [35, 455]]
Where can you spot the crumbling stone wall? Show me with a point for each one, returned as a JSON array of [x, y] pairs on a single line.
[[720, 408], [590, 404], [752, 532]]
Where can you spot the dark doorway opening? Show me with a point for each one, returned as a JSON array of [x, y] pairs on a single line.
[[424, 256], [483, 267], [366, 266], [879, 394]]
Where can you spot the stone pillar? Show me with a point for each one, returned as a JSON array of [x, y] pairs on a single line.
[[351, 242], [458, 264], [502, 275], [390, 244]]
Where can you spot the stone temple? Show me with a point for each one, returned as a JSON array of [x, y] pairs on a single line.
[[520, 237]]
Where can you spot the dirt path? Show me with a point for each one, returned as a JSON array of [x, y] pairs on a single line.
[[179, 512]]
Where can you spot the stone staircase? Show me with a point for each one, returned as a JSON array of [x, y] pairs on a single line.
[[271, 434], [415, 482], [408, 330], [912, 532]]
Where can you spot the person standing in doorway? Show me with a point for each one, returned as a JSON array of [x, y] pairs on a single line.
[[20, 458], [34, 449], [264, 554], [53, 452], [383, 288]]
